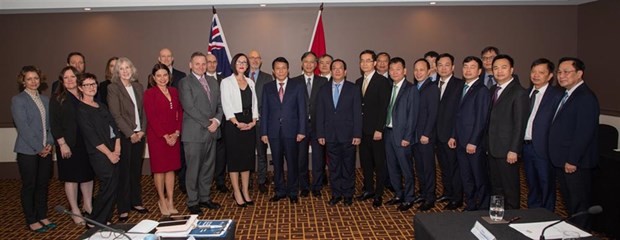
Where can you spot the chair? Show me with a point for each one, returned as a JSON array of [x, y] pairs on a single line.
[[606, 183]]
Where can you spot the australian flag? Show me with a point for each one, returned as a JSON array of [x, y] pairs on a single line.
[[219, 47]]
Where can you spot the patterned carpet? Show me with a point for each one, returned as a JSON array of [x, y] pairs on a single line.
[[311, 218]]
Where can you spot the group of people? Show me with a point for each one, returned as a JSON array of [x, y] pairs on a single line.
[[203, 125]]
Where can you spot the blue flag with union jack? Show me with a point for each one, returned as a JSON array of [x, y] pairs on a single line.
[[219, 47]]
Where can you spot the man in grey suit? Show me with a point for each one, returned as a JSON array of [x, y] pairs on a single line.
[[260, 78], [200, 97], [507, 121]]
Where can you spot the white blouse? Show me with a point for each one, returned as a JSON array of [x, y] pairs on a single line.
[[231, 97]]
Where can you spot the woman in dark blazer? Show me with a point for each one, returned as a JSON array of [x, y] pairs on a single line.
[[33, 147], [102, 144], [125, 95], [73, 166]]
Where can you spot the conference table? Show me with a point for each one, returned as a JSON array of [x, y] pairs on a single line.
[[457, 225]]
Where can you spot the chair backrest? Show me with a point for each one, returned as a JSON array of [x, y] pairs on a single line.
[[608, 138]]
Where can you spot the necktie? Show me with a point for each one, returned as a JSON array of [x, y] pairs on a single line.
[[533, 99], [336, 94], [252, 76], [561, 104], [464, 91], [496, 94], [281, 92], [364, 85], [489, 81], [205, 85], [390, 108], [309, 85], [441, 83]]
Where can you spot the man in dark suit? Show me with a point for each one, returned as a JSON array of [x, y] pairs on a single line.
[[313, 83], [431, 58], [573, 139], [375, 99], [339, 128], [200, 97], [220, 147], [450, 89], [325, 63], [383, 61], [400, 134], [260, 78], [166, 58], [538, 170], [284, 125], [424, 149], [507, 120], [76, 60], [471, 119], [487, 54]]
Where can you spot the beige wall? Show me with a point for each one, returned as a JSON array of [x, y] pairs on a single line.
[[525, 32]]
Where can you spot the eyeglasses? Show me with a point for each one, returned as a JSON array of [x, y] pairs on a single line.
[[89, 85], [242, 63], [565, 72]]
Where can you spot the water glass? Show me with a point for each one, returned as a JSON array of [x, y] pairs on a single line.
[[496, 209]]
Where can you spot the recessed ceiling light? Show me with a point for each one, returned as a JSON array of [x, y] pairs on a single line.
[[87, 9], [263, 5], [433, 3]]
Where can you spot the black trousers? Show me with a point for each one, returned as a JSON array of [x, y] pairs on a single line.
[[372, 159], [450, 173], [261, 158], [35, 173], [424, 162], [130, 173], [576, 189], [108, 175], [220, 162], [341, 168], [285, 149], [505, 181]]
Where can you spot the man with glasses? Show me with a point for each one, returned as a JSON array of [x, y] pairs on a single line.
[[487, 54]]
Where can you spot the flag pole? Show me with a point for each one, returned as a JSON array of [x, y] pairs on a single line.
[[316, 24]]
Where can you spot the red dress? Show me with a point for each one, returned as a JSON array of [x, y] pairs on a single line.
[[164, 117]]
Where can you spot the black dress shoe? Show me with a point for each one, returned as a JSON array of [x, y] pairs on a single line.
[[335, 201], [262, 188], [123, 219], [222, 189], [443, 198], [210, 205], [245, 204], [418, 199], [427, 206], [394, 201], [365, 196], [276, 198], [142, 210], [377, 202], [294, 199], [453, 205], [304, 193], [250, 203], [405, 206], [348, 201], [316, 193], [195, 209]]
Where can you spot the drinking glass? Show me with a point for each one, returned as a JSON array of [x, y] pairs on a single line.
[[496, 209]]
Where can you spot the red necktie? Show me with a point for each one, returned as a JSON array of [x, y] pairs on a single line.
[[281, 92]]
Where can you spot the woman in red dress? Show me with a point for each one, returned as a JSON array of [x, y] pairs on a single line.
[[164, 115]]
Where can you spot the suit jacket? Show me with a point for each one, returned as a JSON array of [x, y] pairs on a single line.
[[27, 119], [317, 83], [427, 115], [543, 118], [472, 115], [122, 108], [199, 109], [343, 122], [448, 106], [374, 103], [507, 120], [289, 116], [63, 119], [405, 113], [573, 137], [260, 82], [176, 77]]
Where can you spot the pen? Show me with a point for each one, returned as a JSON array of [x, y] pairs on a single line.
[[514, 219]]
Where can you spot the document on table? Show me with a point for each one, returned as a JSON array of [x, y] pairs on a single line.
[[107, 235], [533, 230], [481, 232]]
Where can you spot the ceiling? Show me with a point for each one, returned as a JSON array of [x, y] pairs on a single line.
[[51, 6]]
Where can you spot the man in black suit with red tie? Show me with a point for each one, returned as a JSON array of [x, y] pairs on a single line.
[[313, 83], [339, 128], [507, 118], [375, 99], [450, 89], [573, 139], [538, 169]]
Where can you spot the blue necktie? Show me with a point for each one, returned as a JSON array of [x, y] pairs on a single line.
[[561, 104], [464, 91], [336, 93]]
